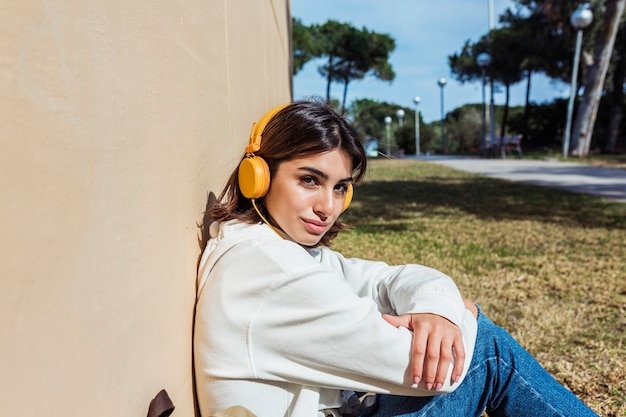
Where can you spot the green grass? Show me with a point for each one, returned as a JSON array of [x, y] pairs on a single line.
[[605, 160], [547, 265]]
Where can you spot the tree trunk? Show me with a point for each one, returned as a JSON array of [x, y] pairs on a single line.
[[526, 105], [616, 98], [345, 93], [329, 78], [345, 90], [594, 80], [505, 116], [617, 113]]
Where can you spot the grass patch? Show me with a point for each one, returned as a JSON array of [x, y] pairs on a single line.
[[603, 160], [546, 264]]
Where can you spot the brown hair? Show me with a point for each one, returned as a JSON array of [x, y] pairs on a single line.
[[301, 129]]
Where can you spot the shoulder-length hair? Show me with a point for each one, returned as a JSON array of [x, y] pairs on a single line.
[[300, 130]]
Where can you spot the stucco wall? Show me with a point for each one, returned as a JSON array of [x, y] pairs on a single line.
[[117, 119]]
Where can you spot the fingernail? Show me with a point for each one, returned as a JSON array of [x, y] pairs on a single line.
[[438, 386], [457, 378], [416, 380], [429, 386]]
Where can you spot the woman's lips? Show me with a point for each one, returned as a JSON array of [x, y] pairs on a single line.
[[315, 226]]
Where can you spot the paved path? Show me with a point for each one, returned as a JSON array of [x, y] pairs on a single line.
[[604, 182]]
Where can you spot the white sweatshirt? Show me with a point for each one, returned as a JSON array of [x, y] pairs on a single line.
[[281, 330]]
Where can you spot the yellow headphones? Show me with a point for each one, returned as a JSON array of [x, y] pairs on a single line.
[[254, 174]]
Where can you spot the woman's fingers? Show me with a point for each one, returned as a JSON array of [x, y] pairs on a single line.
[[436, 343]]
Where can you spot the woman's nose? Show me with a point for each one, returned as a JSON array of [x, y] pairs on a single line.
[[325, 203]]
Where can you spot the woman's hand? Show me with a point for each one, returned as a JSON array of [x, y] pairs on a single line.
[[434, 340]]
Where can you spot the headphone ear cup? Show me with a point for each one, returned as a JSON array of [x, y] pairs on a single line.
[[349, 194], [254, 177]]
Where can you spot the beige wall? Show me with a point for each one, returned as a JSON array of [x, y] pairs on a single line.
[[117, 118]]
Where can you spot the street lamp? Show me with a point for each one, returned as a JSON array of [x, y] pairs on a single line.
[[580, 19], [417, 100], [442, 82], [388, 127], [483, 59], [400, 116]]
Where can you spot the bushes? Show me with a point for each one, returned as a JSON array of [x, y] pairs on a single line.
[[541, 124]]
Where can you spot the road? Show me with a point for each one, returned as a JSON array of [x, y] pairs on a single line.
[[608, 183]]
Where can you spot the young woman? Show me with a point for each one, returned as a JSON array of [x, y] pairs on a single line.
[[285, 326]]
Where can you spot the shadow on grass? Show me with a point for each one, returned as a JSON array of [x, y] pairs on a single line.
[[486, 198]]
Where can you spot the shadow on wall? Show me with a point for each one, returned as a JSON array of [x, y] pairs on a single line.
[[203, 238], [203, 226]]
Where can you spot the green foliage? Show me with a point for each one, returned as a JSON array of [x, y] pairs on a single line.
[[546, 25], [404, 137], [350, 53], [546, 42], [543, 126], [464, 129], [535, 37], [304, 47], [368, 117], [546, 121], [507, 51], [353, 54]]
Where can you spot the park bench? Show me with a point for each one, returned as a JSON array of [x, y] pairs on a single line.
[[512, 143]]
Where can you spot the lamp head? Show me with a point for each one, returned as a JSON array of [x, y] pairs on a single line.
[[582, 17], [483, 59]]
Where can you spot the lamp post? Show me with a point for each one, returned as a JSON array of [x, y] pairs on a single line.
[[400, 116], [580, 19], [492, 113], [442, 82], [417, 100], [483, 59], [388, 128]]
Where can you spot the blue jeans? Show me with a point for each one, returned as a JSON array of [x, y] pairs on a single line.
[[503, 379]]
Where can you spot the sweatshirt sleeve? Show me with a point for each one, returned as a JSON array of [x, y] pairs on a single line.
[[399, 289], [289, 318]]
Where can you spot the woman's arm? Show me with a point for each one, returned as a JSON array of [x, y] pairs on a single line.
[[436, 334], [317, 317], [434, 341], [399, 289]]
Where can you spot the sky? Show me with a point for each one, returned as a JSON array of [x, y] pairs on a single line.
[[426, 33]]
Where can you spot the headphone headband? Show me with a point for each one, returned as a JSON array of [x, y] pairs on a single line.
[[257, 128]]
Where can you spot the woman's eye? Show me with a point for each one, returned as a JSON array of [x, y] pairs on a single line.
[[342, 188], [309, 181]]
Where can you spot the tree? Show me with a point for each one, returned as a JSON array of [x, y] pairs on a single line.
[[545, 48], [507, 52], [463, 128], [303, 45], [554, 15], [615, 95], [353, 54], [546, 26], [366, 53], [594, 80], [330, 38], [350, 54], [368, 117]]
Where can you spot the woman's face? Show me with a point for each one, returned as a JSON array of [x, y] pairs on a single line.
[[306, 195]]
